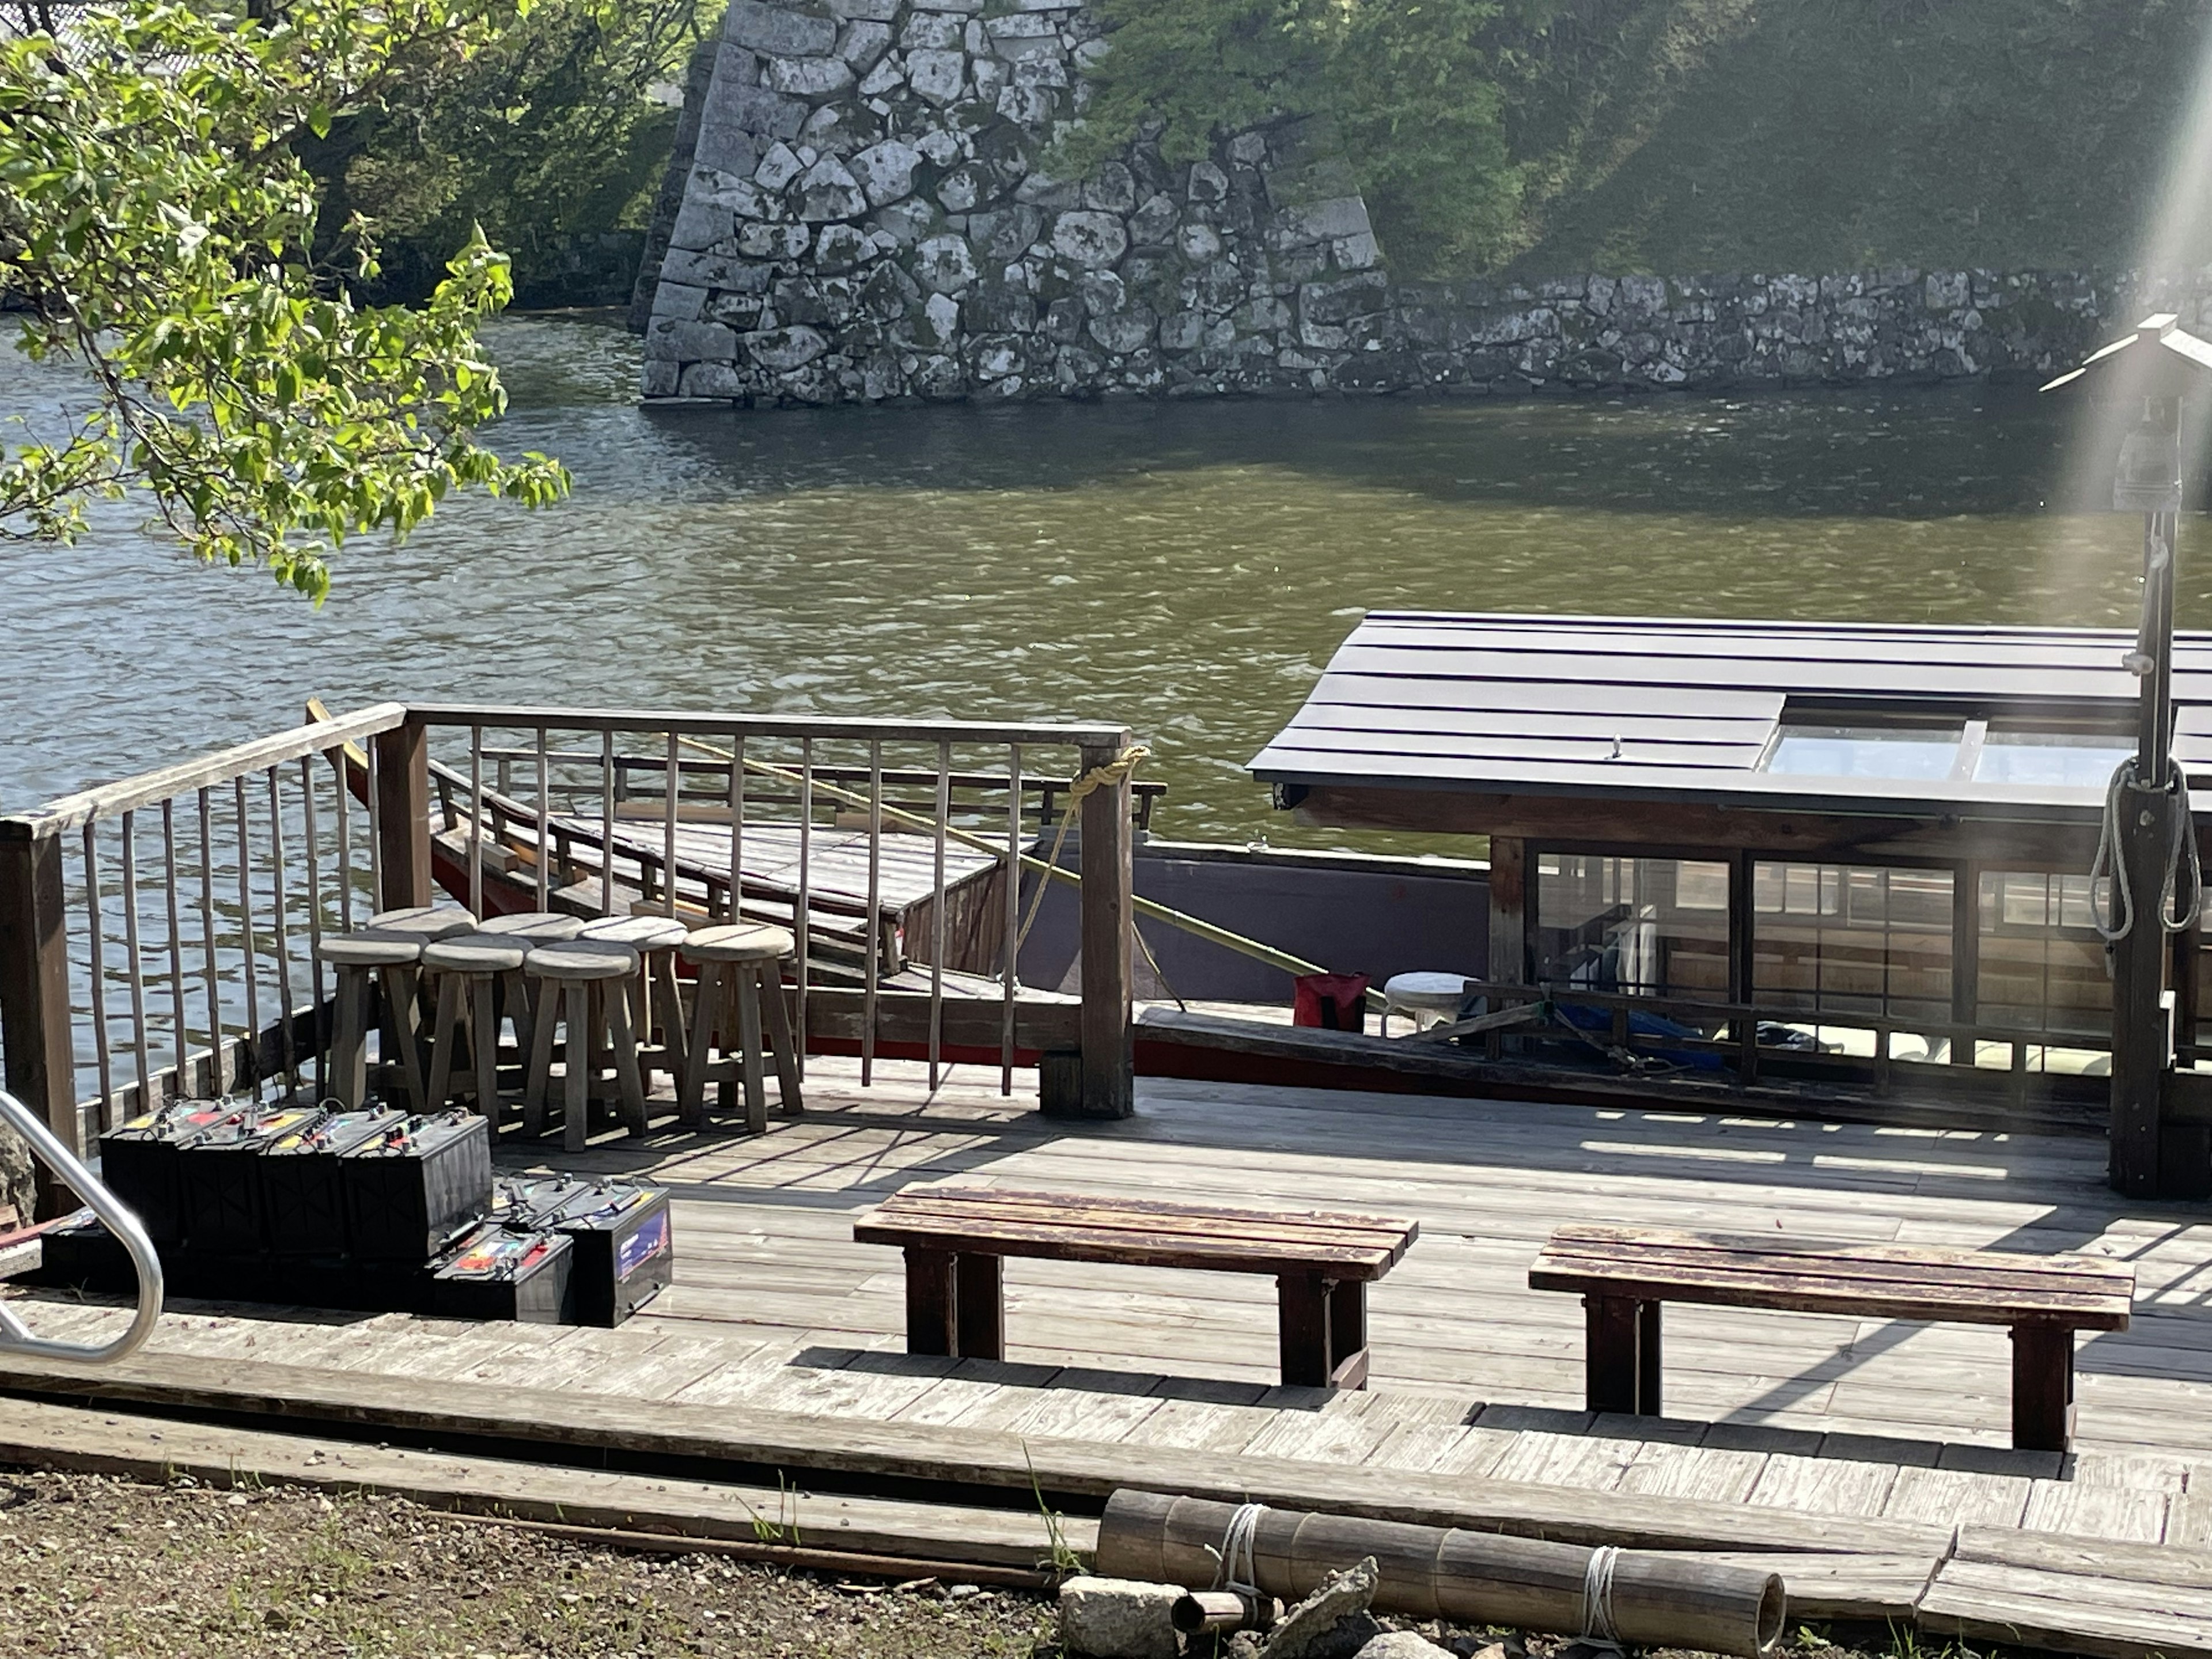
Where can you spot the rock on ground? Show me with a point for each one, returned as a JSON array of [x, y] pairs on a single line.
[[1118, 1619], [1310, 1630], [1403, 1645]]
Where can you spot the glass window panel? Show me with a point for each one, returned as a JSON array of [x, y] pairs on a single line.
[[1644, 926], [2042, 965], [1867, 752], [1852, 939], [2077, 760]]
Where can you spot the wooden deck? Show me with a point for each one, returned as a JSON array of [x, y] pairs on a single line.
[[1476, 1378]]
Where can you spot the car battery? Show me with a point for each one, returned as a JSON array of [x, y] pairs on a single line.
[[625, 1254], [138, 1161], [220, 1206], [408, 1189], [78, 1252], [518, 1201], [302, 1181], [497, 1273]]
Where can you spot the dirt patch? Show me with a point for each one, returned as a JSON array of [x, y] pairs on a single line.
[[94, 1566]]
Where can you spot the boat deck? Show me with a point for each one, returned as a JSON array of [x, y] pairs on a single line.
[[1476, 1378]]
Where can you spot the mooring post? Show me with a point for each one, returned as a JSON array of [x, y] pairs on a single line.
[[403, 807], [1108, 1038], [36, 1056]]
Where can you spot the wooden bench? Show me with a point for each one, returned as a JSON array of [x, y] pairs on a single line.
[[955, 1238], [1625, 1275]]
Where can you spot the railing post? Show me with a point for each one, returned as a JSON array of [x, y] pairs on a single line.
[[37, 1058], [403, 787], [1108, 1036]]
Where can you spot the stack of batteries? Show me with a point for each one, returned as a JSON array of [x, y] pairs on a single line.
[[374, 1210]]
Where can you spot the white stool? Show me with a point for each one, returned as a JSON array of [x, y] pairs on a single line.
[[477, 961], [1426, 999], [360, 959], [656, 1001], [738, 964], [424, 921], [588, 970]]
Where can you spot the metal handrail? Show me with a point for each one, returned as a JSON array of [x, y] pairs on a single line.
[[15, 1336]]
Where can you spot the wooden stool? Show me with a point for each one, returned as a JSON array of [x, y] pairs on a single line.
[[424, 921], [655, 998], [737, 964], [362, 959], [530, 928], [477, 960], [587, 970]]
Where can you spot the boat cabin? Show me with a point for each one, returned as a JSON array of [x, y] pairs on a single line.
[[1788, 848]]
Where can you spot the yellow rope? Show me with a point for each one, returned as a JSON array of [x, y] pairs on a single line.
[[1115, 772]]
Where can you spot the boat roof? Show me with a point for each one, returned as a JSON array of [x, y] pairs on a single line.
[[1691, 710]]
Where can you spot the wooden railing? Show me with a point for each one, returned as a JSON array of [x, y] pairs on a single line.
[[145, 973]]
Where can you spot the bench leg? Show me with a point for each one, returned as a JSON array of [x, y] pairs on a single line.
[[1323, 1329], [2042, 1387], [1348, 1334], [1647, 1359], [979, 1307], [1613, 1367], [929, 1302]]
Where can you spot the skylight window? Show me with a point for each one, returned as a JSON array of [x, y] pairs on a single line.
[[2057, 750], [1907, 752], [2064, 760]]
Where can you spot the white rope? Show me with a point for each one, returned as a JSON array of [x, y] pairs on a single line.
[[1237, 1568], [1597, 1599], [2115, 919]]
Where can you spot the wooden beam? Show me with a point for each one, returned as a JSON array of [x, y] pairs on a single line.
[[1109, 1040], [403, 787], [1602, 824], [1966, 954], [1510, 958], [37, 1058]]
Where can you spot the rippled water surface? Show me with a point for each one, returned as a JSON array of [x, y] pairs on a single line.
[[1186, 568]]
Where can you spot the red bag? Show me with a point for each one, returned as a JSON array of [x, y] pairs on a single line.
[[1335, 1002]]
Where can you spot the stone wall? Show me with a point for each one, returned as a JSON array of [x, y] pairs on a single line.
[[865, 214]]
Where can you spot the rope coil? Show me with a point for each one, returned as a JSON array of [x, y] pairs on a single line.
[[2115, 919], [1237, 1568], [1598, 1628]]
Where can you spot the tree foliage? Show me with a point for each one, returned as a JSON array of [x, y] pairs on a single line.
[[551, 132], [1417, 91], [157, 229]]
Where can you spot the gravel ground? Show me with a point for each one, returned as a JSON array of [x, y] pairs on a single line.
[[111, 1568], [114, 1569]]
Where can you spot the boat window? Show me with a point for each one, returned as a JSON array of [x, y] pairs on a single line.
[[1850, 939], [2042, 965], [1638, 927], [2065, 760], [1867, 752]]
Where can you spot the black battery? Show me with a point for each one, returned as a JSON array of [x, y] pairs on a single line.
[[79, 1253], [220, 1203], [499, 1273], [409, 1189], [625, 1252], [517, 1201], [138, 1161], [302, 1183]]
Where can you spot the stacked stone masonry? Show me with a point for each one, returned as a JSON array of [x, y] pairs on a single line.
[[867, 214]]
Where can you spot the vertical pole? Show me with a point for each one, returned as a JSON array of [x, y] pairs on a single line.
[[280, 895], [937, 913], [309, 834], [738, 832], [875, 920], [1510, 955], [475, 822], [135, 965], [181, 1086], [35, 1050], [1010, 921], [218, 1069], [403, 800], [96, 945], [254, 1072], [1966, 959], [1109, 1036], [544, 843], [607, 823], [802, 909], [2140, 1144], [672, 776]]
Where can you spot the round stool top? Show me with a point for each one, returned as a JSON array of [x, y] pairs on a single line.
[[425, 921], [581, 959], [538, 926], [744, 941], [1442, 992], [374, 949], [476, 953], [641, 933]]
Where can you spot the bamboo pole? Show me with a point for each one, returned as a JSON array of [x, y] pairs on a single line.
[[1144, 906]]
